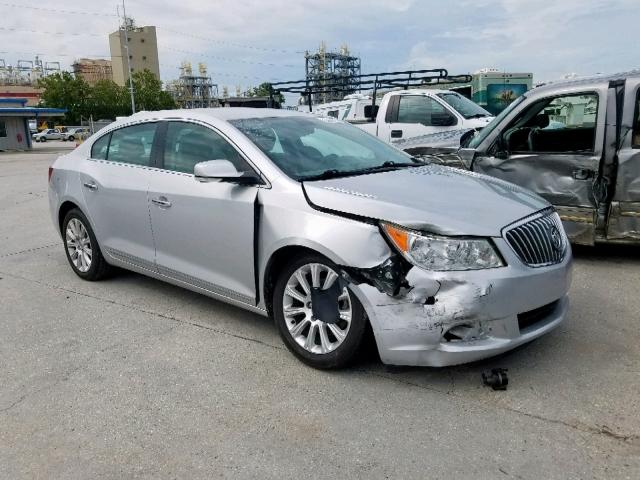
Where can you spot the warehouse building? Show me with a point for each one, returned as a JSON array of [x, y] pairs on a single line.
[[14, 122]]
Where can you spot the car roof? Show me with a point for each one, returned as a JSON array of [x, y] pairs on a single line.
[[223, 113], [587, 81]]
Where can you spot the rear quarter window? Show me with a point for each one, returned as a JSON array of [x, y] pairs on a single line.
[[636, 122], [100, 147]]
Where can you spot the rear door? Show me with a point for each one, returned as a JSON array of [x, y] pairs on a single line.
[[204, 232], [553, 146], [624, 213], [115, 181], [415, 115]]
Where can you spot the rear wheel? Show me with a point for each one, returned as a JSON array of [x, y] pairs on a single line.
[[71, 138], [81, 247], [319, 319]]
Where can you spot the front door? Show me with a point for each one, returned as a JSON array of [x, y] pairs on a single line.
[[203, 232], [553, 147], [114, 182], [624, 213], [416, 115]]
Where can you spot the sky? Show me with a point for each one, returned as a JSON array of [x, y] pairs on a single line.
[[247, 42]]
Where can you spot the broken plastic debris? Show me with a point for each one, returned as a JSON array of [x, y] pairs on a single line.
[[496, 378]]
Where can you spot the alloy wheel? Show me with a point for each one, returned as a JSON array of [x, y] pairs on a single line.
[[312, 334], [79, 245]]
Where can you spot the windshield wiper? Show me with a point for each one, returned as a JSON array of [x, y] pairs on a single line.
[[384, 167], [479, 115]]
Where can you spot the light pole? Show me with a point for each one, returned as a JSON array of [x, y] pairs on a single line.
[[126, 47]]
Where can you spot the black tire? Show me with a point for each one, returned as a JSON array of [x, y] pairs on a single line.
[[347, 351], [71, 138], [99, 268], [43, 139]]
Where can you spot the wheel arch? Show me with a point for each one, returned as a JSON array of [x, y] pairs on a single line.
[[65, 208], [276, 263]]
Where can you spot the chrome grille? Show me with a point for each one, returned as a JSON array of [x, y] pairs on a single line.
[[538, 241]]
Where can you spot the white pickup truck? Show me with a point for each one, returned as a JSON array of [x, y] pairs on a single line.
[[408, 114]]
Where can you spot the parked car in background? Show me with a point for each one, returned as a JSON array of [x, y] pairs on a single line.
[[75, 134], [48, 134], [577, 144], [319, 225]]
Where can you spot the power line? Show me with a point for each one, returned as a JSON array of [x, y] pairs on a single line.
[[54, 10], [231, 44], [226, 59], [77, 34]]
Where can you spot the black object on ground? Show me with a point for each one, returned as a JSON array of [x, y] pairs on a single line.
[[496, 378]]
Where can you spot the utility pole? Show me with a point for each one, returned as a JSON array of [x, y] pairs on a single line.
[[126, 47]]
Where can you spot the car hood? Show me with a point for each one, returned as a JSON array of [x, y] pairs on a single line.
[[429, 198]]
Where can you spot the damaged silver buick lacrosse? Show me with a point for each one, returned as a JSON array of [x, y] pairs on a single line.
[[322, 227]]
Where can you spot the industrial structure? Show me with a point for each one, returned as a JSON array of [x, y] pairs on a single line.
[[93, 70], [194, 90], [21, 80], [331, 68], [142, 46]]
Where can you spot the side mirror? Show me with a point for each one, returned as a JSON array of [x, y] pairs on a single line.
[[223, 171], [466, 137]]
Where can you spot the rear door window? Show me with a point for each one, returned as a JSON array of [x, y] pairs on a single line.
[[132, 144]]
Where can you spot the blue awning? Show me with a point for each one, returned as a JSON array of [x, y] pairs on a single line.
[[32, 112]]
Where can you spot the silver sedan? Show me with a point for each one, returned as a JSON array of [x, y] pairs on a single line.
[[320, 226]]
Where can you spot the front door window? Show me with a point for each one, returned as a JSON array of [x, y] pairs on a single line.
[[564, 124]]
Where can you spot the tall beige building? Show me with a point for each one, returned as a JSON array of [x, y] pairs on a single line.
[[143, 52]]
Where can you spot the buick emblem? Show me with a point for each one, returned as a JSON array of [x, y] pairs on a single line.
[[556, 238]]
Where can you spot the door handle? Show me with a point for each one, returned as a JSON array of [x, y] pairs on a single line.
[[396, 133], [161, 202], [90, 185], [582, 173]]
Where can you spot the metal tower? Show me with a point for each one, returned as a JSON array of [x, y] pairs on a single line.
[[330, 68]]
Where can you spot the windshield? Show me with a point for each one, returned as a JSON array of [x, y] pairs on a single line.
[[463, 105], [304, 148], [484, 133]]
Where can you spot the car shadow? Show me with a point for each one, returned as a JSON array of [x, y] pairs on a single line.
[[610, 252]]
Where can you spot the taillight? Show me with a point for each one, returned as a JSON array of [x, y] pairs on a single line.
[[50, 172]]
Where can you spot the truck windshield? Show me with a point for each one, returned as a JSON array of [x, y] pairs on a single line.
[[484, 133], [309, 148], [463, 105]]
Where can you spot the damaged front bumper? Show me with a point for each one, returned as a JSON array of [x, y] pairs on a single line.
[[449, 318]]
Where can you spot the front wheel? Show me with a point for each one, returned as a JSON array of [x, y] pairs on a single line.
[[319, 319]]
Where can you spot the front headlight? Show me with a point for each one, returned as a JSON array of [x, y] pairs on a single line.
[[433, 252]]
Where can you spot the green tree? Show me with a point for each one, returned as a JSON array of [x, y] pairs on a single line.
[[109, 100], [105, 99], [63, 90], [265, 90], [148, 92]]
